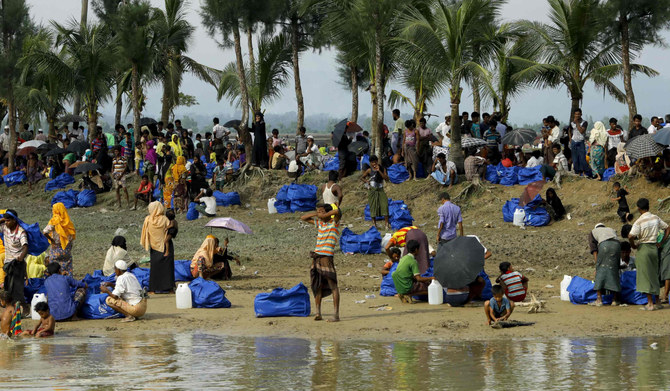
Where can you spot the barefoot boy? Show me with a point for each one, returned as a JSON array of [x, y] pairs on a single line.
[[406, 277], [7, 313], [47, 324], [499, 307], [395, 257]]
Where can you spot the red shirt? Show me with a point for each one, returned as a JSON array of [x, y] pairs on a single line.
[[507, 163], [143, 189]]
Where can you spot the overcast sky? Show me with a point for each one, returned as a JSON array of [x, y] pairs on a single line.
[[323, 93]]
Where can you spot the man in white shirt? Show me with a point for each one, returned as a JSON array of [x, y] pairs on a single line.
[[127, 296], [655, 125], [535, 160], [443, 130], [219, 131], [310, 157], [4, 142], [41, 136], [577, 133], [205, 196], [555, 133]]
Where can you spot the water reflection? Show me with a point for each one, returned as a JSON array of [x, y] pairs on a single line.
[[201, 361]]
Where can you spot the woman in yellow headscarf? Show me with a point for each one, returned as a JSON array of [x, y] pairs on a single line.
[[202, 264], [153, 239], [175, 144], [61, 233]]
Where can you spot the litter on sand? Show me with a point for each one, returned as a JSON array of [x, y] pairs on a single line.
[[505, 324]]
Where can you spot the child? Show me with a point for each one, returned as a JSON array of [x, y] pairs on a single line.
[[219, 174], [144, 191], [395, 257], [47, 324], [499, 307], [623, 211], [375, 177], [7, 313], [33, 171], [513, 282]]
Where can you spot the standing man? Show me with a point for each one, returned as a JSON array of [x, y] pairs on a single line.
[[637, 129], [443, 130], [4, 142], [322, 274], [645, 231], [449, 218], [466, 124], [655, 125], [40, 136], [119, 169], [219, 131], [577, 130], [398, 128], [300, 141], [15, 240]]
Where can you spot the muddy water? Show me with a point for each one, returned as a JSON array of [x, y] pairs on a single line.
[[200, 361]]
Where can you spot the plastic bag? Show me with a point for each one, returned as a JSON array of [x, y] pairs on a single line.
[[86, 198], [182, 270], [208, 294], [368, 242], [398, 173], [68, 198], [59, 182], [283, 302]]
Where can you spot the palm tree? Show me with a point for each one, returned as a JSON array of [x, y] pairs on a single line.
[[575, 51], [351, 75], [444, 40], [175, 34]]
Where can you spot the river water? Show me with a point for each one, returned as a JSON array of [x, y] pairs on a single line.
[[202, 361]]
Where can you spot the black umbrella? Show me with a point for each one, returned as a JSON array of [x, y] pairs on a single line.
[[67, 118], [358, 147], [643, 146], [86, 167], [146, 121], [56, 151], [459, 261], [46, 148], [519, 137], [78, 147], [233, 123], [343, 126]]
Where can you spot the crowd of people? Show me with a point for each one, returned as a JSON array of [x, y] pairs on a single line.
[[174, 162]]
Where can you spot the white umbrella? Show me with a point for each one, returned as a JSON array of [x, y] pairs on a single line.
[[31, 143]]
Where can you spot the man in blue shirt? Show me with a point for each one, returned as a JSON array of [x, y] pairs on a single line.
[[450, 218], [63, 304]]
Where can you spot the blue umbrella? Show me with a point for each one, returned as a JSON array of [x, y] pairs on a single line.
[[662, 136]]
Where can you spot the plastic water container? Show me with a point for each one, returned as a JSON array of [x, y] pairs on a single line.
[[271, 206], [37, 298], [435, 293], [183, 295], [519, 217], [565, 295]]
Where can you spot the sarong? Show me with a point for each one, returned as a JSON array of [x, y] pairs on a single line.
[[323, 269]]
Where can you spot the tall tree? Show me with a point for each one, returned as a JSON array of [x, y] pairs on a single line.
[[16, 25], [576, 50], [76, 109], [635, 24], [444, 40], [351, 75]]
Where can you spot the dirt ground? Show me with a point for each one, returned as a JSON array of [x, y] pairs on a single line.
[[276, 255]]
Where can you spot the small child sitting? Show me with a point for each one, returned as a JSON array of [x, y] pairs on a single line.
[[7, 314], [514, 283], [47, 324], [499, 307], [395, 257]]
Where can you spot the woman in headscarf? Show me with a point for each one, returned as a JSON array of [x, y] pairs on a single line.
[[260, 151], [557, 210], [180, 192], [175, 144], [597, 154], [154, 233], [150, 161], [61, 233], [116, 252], [104, 160], [211, 261], [622, 161]]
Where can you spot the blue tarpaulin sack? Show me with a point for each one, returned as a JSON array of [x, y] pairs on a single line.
[[510, 176], [14, 178], [227, 199], [182, 270], [538, 217], [142, 275], [529, 175], [301, 197], [581, 292], [509, 208], [388, 287], [37, 242], [400, 218], [282, 203], [68, 198], [492, 174], [303, 205], [364, 162], [86, 198], [35, 285], [210, 170], [369, 242], [93, 281], [398, 173], [283, 302], [59, 182], [192, 213], [94, 307], [628, 293], [208, 294], [158, 194], [609, 173], [141, 168]]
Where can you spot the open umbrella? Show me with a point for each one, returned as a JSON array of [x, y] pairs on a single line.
[[530, 192], [67, 118], [358, 147], [459, 261], [56, 151], [233, 123], [78, 147], [229, 223], [44, 148], [147, 121], [662, 136], [25, 151], [643, 146], [31, 144], [468, 142], [341, 127], [519, 137], [85, 167]]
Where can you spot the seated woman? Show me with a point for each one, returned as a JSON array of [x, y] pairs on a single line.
[[557, 211], [211, 261], [117, 252]]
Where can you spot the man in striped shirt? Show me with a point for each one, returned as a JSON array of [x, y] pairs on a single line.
[[322, 273], [514, 283], [119, 169]]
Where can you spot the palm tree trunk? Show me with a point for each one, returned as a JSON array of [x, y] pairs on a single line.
[[417, 106], [84, 13], [137, 111], [296, 73], [92, 114], [165, 109], [119, 104], [13, 135], [76, 106], [52, 126], [378, 125], [373, 98], [625, 60], [354, 94], [456, 152], [244, 131], [476, 97], [250, 48]]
